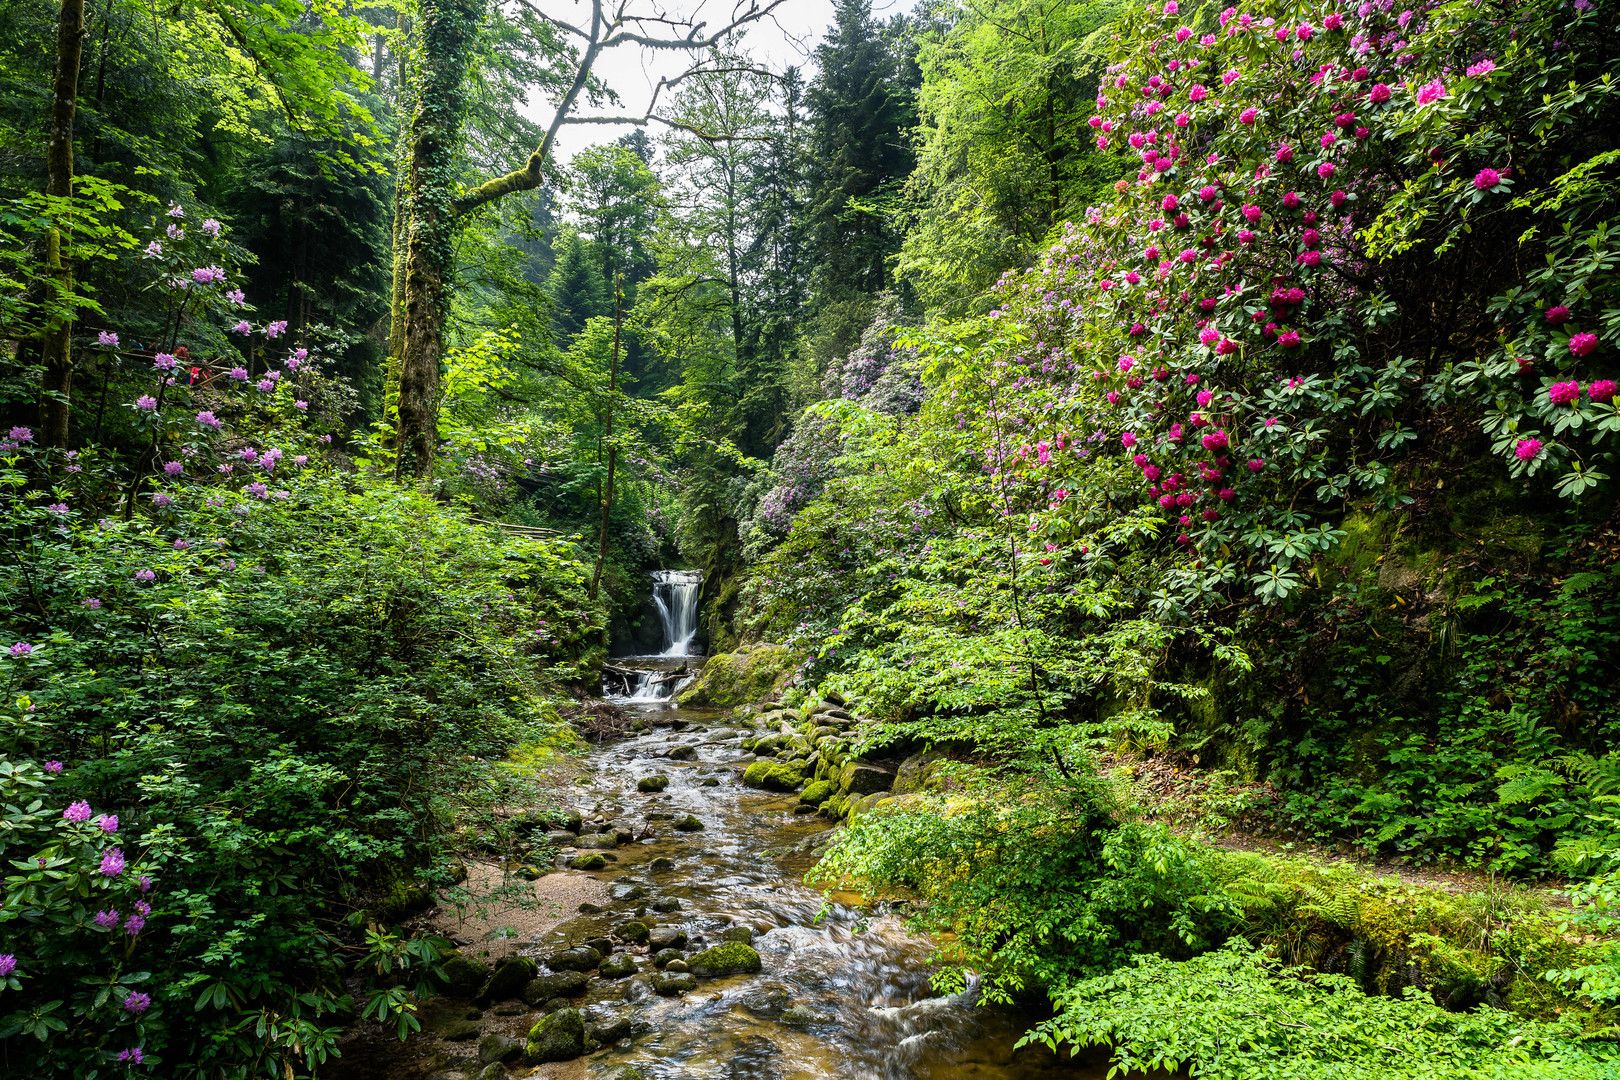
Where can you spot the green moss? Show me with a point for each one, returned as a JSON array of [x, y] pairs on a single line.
[[816, 793], [559, 1037], [737, 678], [773, 776], [729, 958]]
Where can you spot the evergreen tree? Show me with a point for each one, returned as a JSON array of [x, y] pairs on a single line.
[[862, 110], [576, 288]]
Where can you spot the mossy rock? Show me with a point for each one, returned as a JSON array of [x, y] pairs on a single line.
[[728, 958], [689, 823], [817, 793], [509, 979], [462, 976], [559, 1037], [618, 967], [591, 860], [669, 984], [729, 679], [561, 984], [634, 932], [744, 934], [583, 958], [603, 841], [652, 783], [772, 776], [835, 806]]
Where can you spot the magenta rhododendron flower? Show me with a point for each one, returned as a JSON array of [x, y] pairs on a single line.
[[137, 1002], [1291, 200], [1564, 393], [1486, 179], [1583, 344], [1484, 67], [1256, 464], [1558, 315], [1325, 170], [1602, 390], [1128, 439], [1526, 449], [1430, 92], [1285, 153], [1288, 339], [1333, 21], [53, 767], [1249, 115], [1379, 94]]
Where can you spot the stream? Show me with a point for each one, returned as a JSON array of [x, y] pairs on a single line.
[[843, 992]]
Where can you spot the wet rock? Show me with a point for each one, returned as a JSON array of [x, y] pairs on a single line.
[[589, 908], [618, 967], [744, 934], [835, 699], [661, 815], [600, 944], [665, 904], [509, 980], [708, 781], [499, 1048], [664, 956], [624, 834], [594, 860], [610, 1030], [559, 1037], [652, 783], [633, 931], [554, 1004], [804, 1016], [623, 892], [661, 864], [676, 966], [729, 958], [669, 985], [542, 988], [628, 1072], [597, 842], [772, 776], [689, 823], [666, 937], [682, 753], [509, 1008], [802, 808], [577, 959], [463, 976], [768, 1002], [556, 839]]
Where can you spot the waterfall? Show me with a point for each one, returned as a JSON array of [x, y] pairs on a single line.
[[675, 593]]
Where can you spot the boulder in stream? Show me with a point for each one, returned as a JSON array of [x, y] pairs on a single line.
[[580, 959], [671, 984], [618, 967], [599, 841], [633, 931], [682, 753], [666, 937], [652, 784], [689, 823], [729, 958], [559, 1037], [494, 1048], [804, 1016], [744, 934], [773, 776], [816, 793], [509, 979], [593, 860], [624, 891], [463, 976], [542, 988]]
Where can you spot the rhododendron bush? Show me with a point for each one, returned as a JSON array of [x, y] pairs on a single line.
[[1350, 231]]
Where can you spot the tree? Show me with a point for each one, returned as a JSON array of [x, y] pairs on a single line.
[[1002, 141], [434, 207], [576, 289], [861, 110]]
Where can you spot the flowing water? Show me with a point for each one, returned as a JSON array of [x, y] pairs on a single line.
[[862, 978], [675, 594]]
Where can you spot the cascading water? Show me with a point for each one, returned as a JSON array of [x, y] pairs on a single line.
[[655, 679], [675, 593]]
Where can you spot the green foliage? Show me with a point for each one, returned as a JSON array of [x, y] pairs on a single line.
[[1234, 1013], [257, 680]]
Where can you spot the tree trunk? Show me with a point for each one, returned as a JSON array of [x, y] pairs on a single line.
[[448, 30], [58, 342], [613, 451]]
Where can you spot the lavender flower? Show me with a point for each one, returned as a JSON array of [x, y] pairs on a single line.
[[133, 1056], [137, 1002], [53, 767], [146, 403], [174, 468], [134, 924], [237, 297], [108, 339], [154, 250], [207, 419], [239, 374], [112, 863], [8, 964], [146, 575], [108, 823], [164, 362], [77, 813], [22, 648], [211, 227], [21, 434], [107, 920]]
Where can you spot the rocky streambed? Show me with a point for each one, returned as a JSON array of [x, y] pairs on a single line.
[[703, 955]]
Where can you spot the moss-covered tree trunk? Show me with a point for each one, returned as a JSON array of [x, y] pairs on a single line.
[[447, 34], [58, 341]]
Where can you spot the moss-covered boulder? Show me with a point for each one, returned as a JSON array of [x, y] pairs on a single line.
[[916, 772], [619, 966], [729, 679], [591, 860], [817, 793], [729, 958], [509, 979], [634, 931], [689, 823], [652, 784], [463, 976], [860, 778], [744, 934], [773, 776], [559, 1037], [669, 984], [561, 984], [582, 958]]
